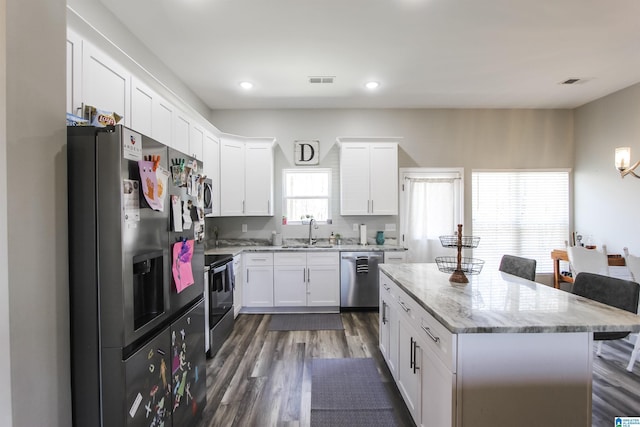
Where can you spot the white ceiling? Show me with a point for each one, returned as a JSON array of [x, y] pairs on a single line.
[[424, 53]]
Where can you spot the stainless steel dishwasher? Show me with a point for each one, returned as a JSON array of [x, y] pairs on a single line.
[[359, 279]]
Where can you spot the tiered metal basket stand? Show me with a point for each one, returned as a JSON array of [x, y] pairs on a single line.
[[459, 265]]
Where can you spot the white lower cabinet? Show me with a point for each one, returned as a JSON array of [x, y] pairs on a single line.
[[409, 374], [388, 328], [438, 386], [306, 279], [258, 280], [237, 291], [420, 354]]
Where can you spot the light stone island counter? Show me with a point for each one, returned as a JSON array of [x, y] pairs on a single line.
[[497, 351]]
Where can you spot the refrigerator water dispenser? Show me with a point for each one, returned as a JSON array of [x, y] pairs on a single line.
[[148, 288]]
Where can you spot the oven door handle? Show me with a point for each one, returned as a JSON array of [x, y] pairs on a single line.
[[219, 269]]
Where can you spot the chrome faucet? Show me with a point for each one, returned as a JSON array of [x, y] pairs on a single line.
[[312, 240]]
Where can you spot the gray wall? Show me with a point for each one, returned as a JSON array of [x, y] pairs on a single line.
[[36, 216], [471, 139], [5, 330], [607, 206]]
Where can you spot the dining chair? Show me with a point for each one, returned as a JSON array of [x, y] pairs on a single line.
[[619, 293], [518, 266], [633, 264], [583, 260]]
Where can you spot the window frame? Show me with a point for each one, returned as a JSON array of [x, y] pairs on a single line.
[[285, 198]]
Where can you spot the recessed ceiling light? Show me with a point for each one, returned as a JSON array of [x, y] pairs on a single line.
[[246, 85], [372, 85]]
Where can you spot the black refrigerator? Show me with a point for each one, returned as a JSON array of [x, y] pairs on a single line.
[[136, 268]]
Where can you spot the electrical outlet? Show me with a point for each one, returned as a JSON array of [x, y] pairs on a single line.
[[389, 227], [355, 227], [244, 228]]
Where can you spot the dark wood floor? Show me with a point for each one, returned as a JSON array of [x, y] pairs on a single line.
[[261, 378]]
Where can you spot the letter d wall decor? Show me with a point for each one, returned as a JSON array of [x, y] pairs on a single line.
[[307, 152]]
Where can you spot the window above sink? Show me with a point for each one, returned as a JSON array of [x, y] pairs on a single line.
[[306, 194]]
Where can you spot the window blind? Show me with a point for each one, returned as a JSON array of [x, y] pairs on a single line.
[[522, 213]]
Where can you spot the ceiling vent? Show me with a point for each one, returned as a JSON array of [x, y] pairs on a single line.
[[321, 79], [571, 81]]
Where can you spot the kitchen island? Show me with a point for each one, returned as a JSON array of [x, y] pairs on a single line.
[[497, 351]]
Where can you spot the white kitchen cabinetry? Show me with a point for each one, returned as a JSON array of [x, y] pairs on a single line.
[[307, 279], [323, 279], [162, 120], [237, 291], [74, 73], [420, 354], [395, 257], [106, 85], [142, 104], [211, 164], [368, 176], [181, 132], [231, 177], [258, 280], [290, 279], [246, 176], [259, 178], [388, 327], [196, 141]]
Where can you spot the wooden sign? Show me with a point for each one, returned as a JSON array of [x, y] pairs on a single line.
[[307, 152]]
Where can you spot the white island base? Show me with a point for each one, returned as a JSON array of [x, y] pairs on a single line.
[[534, 379], [500, 351]]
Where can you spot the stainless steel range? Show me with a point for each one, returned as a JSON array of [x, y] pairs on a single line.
[[219, 314]]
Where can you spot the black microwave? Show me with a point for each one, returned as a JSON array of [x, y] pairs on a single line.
[[207, 196]]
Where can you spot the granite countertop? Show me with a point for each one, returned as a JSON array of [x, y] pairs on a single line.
[[238, 249], [495, 302]]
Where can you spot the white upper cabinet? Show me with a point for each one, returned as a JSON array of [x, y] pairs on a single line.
[[142, 104], [211, 160], [368, 176], [74, 73], [231, 177], [106, 85], [181, 132], [259, 178], [196, 141], [246, 176], [162, 120]]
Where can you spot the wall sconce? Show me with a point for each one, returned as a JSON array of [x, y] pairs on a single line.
[[623, 160]]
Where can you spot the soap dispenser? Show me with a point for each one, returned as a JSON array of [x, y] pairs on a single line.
[[332, 239]]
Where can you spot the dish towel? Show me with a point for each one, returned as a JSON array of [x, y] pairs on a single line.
[[362, 265]]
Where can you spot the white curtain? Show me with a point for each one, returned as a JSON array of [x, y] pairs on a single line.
[[430, 213]]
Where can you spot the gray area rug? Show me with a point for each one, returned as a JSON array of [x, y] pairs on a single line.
[[349, 392], [306, 322]]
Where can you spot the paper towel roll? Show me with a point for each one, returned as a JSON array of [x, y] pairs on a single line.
[[363, 234]]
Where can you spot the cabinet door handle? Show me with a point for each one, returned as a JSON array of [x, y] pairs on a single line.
[[415, 359], [404, 307], [304, 275], [243, 206], [308, 275], [384, 313], [433, 337], [372, 206], [247, 275], [411, 354]]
